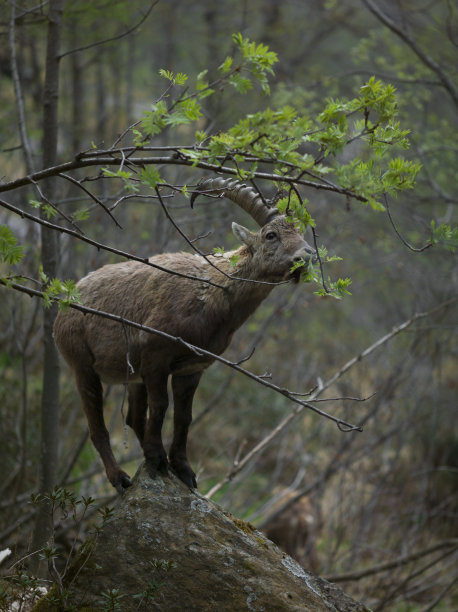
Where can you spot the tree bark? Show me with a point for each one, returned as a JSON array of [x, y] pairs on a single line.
[[49, 257]]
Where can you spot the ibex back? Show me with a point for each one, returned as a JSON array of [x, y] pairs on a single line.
[[101, 350]]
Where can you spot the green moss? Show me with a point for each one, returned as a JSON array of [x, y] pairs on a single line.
[[243, 525], [261, 541], [48, 602]]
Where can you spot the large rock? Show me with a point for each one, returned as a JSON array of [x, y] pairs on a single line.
[[219, 562]]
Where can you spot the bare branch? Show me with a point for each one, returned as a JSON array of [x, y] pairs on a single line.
[[382, 567], [18, 91], [112, 38], [91, 195], [100, 245], [446, 82], [84, 161], [401, 238], [384, 339], [343, 425], [340, 424]]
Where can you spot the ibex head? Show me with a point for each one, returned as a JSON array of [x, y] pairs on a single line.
[[277, 246]]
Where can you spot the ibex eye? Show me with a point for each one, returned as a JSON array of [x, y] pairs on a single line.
[[271, 235]]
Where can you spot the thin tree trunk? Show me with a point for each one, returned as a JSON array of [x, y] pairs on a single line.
[[49, 257]]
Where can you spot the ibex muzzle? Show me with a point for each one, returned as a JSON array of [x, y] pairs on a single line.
[[205, 315]]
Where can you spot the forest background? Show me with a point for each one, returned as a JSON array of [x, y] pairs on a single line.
[[374, 509]]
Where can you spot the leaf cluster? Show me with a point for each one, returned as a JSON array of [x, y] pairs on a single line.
[[254, 63], [64, 292], [10, 251]]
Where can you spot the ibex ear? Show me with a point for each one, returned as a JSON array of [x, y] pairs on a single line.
[[243, 234]]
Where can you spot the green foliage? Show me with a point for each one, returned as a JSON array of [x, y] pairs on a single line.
[[17, 590], [288, 139], [291, 142], [24, 589], [253, 66], [81, 215], [46, 209], [150, 176], [111, 600], [178, 79], [10, 251], [161, 566], [445, 236], [64, 292], [124, 175], [296, 211], [233, 261], [312, 273], [278, 137]]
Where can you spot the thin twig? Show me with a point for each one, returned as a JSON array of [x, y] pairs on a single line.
[[81, 161], [298, 410], [382, 567], [112, 38], [18, 91], [91, 195], [342, 425], [206, 257], [55, 208], [401, 238], [446, 82], [100, 245]]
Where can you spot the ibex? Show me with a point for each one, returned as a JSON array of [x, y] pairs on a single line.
[[98, 349]]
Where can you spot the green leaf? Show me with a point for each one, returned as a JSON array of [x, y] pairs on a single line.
[[200, 136], [179, 79], [149, 176], [81, 215], [240, 83], [233, 261], [124, 175], [445, 236], [226, 65], [10, 251], [167, 74]]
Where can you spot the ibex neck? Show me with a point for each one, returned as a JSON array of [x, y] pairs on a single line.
[[237, 267], [243, 289]]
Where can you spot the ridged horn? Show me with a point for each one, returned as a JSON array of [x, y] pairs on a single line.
[[241, 194]]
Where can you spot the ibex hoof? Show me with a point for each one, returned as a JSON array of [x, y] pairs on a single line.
[[158, 466], [122, 483], [185, 474]]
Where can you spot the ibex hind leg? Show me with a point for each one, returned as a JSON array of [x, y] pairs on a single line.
[[90, 390], [183, 388], [153, 449], [138, 408]]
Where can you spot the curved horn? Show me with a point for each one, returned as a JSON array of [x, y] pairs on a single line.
[[238, 192]]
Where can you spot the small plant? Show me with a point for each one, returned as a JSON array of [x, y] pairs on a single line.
[[111, 600], [149, 593], [19, 591]]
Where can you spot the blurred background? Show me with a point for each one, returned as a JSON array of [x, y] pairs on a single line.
[[375, 510]]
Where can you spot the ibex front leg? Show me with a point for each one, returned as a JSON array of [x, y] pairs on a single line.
[[90, 389], [183, 388], [153, 449]]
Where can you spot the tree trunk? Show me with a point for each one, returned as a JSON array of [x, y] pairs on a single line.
[[167, 547], [49, 258]]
